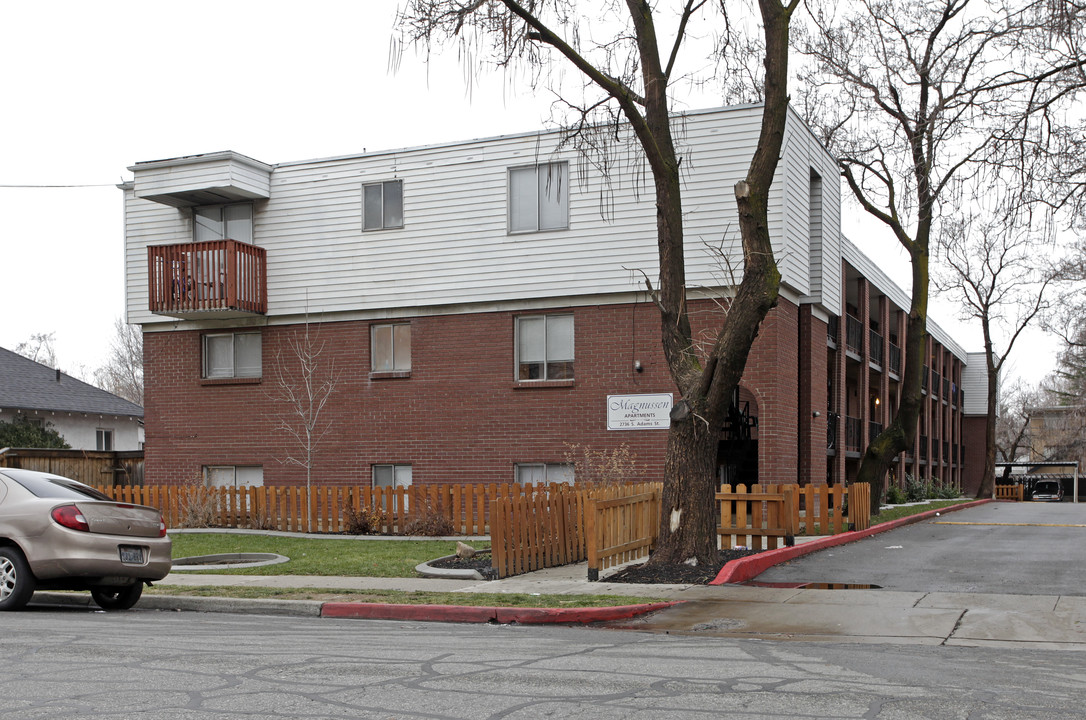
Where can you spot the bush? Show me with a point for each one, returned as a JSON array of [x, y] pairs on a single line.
[[198, 506], [916, 489], [364, 521], [895, 495], [431, 523], [945, 491]]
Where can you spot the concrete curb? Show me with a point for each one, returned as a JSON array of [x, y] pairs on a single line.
[[474, 614], [752, 566], [246, 606]]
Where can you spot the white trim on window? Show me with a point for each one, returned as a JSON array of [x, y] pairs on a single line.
[[542, 473]]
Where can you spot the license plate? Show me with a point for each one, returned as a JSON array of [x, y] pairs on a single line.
[[131, 555]]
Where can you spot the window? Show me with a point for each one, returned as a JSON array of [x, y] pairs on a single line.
[[390, 348], [545, 347], [382, 205], [222, 222], [393, 476], [230, 355], [543, 473], [103, 439], [539, 197], [234, 476]]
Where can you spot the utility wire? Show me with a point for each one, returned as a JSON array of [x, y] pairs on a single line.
[[59, 186]]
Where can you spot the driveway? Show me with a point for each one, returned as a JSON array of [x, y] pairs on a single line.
[[1006, 548]]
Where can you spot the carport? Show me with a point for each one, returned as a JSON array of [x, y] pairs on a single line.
[[1034, 471]]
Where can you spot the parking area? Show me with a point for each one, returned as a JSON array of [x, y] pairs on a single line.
[[1017, 548]]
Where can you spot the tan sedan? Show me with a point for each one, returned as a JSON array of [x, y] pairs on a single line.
[[59, 534]]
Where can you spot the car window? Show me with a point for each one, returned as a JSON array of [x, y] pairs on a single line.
[[54, 486]]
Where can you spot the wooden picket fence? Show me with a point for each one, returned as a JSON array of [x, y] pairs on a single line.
[[762, 516], [325, 509], [621, 525], [541, 530], [1010, 492]]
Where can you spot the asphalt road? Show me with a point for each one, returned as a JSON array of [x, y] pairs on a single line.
[[191, 666], [1012, 548]]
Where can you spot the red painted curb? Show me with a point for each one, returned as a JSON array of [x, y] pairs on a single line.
[[752, 566], [472, 614]]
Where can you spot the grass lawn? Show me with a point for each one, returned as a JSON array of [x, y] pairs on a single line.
[[900, 511], [317, 556]]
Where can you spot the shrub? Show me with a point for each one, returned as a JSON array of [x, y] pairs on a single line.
[[916, 489], [601, 467], [430, 523], [895, 495], [198, 506], [364, 521], [945, 491]]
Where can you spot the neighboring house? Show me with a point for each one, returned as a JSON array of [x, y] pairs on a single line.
[[484, 306], [88, 418], [1057, 432]]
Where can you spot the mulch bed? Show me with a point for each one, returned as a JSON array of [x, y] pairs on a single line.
[[676, 573], [671, 574]]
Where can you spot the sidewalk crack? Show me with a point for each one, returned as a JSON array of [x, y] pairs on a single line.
[[957, 625]]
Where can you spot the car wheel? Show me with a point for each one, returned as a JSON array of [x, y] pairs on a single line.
[[117, 598], [16, 581]]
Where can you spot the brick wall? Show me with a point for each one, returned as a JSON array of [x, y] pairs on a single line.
[[460, 416]]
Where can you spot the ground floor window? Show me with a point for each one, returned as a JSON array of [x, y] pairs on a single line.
[[543, 473], [103, 440], [234, 476]]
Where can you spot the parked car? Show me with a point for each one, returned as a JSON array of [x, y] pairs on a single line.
[[59, 534], [1048, 490]]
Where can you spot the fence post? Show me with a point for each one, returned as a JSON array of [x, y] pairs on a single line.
[[590, 537]]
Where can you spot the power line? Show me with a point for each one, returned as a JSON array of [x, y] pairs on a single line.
[[59, 186]]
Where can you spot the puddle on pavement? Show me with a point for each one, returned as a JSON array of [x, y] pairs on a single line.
[[812, 585]]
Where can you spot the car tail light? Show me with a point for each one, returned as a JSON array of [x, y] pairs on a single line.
[[70, 517], [161, 526]]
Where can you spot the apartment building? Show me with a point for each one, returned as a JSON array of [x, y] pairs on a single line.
[[481, 313]]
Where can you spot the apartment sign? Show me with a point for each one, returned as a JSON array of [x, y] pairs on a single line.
[[639, 412]]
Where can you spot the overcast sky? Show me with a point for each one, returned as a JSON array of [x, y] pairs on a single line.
[[92, 88]]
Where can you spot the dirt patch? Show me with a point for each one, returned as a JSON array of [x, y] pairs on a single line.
[[677, 574], [671, 574]]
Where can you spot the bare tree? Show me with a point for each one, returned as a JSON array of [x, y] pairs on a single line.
[[992, 266], [1016, 403], [123, 372], [926, 103], [40, 348], [302, 383], [629, 76]]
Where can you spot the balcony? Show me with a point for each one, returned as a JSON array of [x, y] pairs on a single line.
[[853, 437], [876, 347], [854, 332], [895, 359], [217, 279]]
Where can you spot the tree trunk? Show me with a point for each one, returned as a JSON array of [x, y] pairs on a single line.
[[688, 509], [901, 432], [987, 480]]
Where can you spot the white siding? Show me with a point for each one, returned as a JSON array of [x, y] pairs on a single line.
[[454, 248], [975, 384]]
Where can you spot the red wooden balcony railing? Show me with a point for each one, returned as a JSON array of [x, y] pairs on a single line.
[[207, 279]]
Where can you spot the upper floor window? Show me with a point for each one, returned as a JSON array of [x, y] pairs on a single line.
[[390, 348], [545, 347], [228, 355], [223, 222], [539, 197], [382, 205]]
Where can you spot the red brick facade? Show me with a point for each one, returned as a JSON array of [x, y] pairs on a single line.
[[460, 416]]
